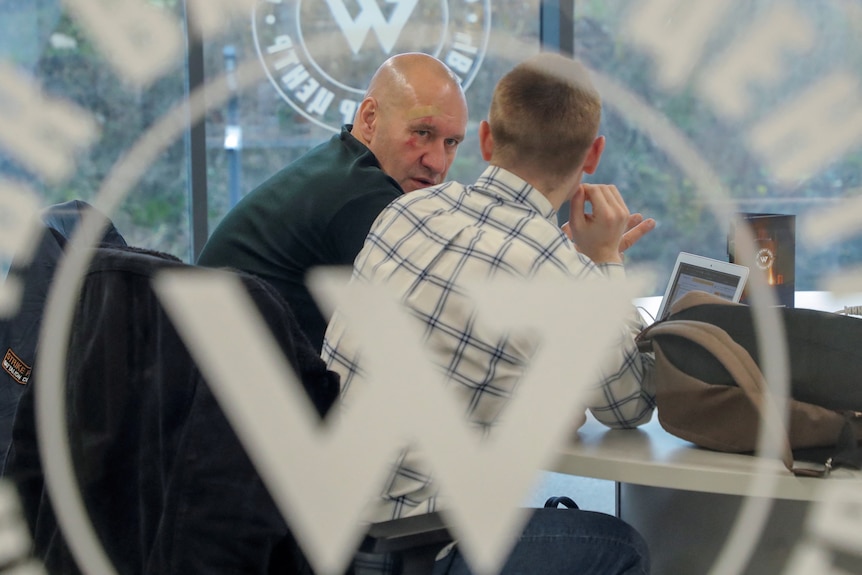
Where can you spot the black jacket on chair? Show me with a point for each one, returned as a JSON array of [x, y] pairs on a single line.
[[19, 333], [168, 486]]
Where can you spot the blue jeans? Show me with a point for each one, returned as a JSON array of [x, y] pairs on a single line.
[[568, 541]]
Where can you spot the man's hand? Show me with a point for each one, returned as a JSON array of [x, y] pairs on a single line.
[[637, 228], [609, 229]]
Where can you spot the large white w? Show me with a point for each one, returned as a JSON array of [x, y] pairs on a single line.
[[323, 477], [371, 17]]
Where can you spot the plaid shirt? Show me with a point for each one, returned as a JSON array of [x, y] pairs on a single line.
[[427, 241]]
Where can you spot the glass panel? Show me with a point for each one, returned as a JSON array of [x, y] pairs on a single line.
[[763, 95], [313, 71], [83, 99]]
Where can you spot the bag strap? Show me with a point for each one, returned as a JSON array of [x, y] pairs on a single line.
[[696, 298], [554, 502], [737, 361]]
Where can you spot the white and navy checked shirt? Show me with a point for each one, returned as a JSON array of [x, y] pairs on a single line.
[[423, 245]]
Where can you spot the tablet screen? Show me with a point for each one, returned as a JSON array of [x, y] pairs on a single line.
[[691, 272], [691, 277]]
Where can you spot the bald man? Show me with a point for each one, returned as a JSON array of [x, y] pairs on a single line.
[[318, 210]]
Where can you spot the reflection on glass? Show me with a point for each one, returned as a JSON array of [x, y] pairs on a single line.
[[53, 49], [768, 94]]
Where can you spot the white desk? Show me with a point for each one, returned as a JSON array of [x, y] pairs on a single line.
[[685, 500], [650, 456]]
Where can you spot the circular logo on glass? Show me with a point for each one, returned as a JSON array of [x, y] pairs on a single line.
[[321, 54]]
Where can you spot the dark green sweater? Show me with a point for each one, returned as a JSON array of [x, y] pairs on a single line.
[[314, 212]]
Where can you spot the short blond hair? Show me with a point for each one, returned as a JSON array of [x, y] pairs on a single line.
[[545, 113]]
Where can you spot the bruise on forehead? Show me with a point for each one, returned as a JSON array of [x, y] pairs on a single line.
[[422, 112]]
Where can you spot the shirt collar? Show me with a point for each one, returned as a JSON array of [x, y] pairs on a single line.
[[503, 183]]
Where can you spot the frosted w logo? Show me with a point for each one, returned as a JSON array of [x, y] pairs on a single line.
[[314, 477], [371, 17]]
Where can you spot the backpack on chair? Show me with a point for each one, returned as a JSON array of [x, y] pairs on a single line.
[[710, 389]]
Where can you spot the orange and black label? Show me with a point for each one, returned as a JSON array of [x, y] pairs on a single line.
[[17, 369]]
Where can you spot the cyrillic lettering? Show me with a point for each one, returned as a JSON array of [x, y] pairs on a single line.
[[40, 132], [726, 84], [678, 46], [813, 130], [212, 16], [18, 237], [139, 40]]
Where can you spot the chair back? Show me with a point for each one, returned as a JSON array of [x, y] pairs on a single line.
[[166, 482]]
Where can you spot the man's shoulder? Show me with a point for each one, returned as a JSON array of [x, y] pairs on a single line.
[[420, 204], [332, 174], [439, 197], [516, 238]]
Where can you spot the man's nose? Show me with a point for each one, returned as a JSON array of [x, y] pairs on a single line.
[[436, 159]]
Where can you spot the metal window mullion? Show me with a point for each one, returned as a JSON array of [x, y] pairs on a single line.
[[196, 143], [557, 26]]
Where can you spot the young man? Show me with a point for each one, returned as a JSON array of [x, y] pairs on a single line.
[[540, 138], [318, 210]]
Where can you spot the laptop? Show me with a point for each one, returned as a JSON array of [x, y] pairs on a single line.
[[692, 272]]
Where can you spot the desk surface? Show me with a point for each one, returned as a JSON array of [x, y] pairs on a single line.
[[651, 456]]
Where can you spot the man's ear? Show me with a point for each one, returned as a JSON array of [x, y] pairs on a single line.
[[486, 140], [594, 155], [365, 120]]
